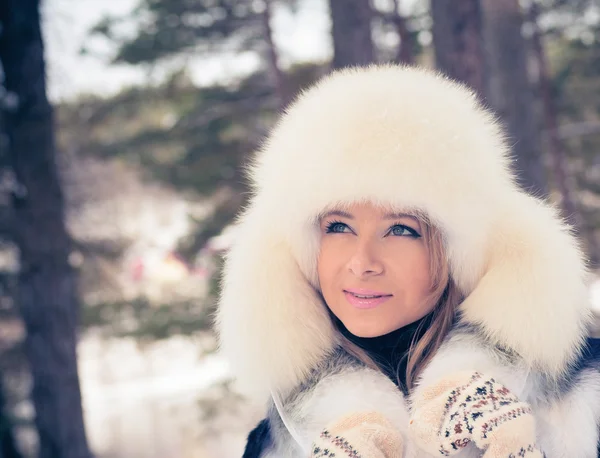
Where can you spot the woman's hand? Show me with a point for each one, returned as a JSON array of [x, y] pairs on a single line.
[[365, 435], [469, 407]]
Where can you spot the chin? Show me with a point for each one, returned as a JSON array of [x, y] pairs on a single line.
[[366, 331]]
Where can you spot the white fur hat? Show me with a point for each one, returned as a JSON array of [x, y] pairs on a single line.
[[414, 140]]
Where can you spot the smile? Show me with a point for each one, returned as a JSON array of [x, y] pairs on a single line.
[[366, 301]]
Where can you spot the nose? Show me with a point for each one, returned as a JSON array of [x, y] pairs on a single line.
[[364, 261]]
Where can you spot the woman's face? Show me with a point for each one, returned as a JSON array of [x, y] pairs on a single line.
[[373, 269]]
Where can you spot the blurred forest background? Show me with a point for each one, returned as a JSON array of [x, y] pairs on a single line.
[[115, 204]]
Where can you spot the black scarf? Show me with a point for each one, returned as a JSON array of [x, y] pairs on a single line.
[[390, 351]]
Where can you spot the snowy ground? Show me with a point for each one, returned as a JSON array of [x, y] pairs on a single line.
[[145, 401]]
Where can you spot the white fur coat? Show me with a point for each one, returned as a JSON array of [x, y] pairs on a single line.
[[413, 140], [567, 411]]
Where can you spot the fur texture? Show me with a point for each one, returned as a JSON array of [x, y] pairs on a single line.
[[566, 409], [566, 415], [412, 140]]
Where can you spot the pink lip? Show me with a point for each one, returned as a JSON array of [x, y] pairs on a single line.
[[365, 292], [365, 303]]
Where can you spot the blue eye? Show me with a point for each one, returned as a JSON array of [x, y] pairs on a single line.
[[336, 227], [403, 231]]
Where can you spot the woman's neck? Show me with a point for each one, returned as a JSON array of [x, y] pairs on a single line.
[[390, 350]]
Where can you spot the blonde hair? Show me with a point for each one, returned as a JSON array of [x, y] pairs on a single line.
[[446, 297]]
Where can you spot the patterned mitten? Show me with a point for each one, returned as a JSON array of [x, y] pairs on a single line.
[[469, 407], [360, 435]]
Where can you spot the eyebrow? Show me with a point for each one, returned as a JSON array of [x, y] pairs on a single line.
[[343, 214], [399, 216], [339, 213]]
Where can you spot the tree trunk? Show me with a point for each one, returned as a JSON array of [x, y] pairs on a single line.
[[275, 72], [47, 285], [8, 447], [457, 39], [509, 89], [351, 31]]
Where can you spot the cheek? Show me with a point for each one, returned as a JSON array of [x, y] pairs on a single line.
[[324, 267], [411, 270], [328, 263]]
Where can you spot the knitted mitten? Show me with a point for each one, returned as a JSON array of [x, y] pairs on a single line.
[[360, 435], [469, 407]]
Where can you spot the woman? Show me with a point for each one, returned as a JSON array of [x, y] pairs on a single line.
[[392, 292]]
